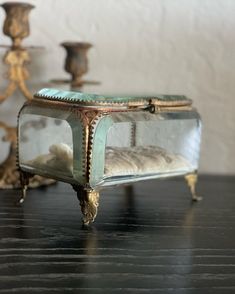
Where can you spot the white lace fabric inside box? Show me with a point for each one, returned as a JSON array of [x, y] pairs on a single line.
[[119, 161]]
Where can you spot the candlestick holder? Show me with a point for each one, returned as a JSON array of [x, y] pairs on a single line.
[[16, 26], [76, 64]]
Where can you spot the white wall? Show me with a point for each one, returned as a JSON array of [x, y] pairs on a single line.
[[152, 46]]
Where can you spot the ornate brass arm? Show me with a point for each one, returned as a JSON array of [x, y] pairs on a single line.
[[16, 59]]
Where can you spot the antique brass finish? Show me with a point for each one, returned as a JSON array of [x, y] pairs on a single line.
[[109, 104], [17, 73], [28, 180], [89, 202], [16, 26], [24, 180], [191, 180], [76, 64], [8, 169]]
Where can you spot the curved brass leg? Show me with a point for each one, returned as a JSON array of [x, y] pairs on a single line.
[[89, 202], [24, 180], [191, 180], [25, 90], [8, 92]]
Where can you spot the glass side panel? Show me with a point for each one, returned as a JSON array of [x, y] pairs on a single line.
[[46, 145], [143, 146]]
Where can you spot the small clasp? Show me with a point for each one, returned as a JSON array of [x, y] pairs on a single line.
[[151, 108]]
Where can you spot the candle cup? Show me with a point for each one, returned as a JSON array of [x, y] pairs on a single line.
[[76, 62], [16, 24]]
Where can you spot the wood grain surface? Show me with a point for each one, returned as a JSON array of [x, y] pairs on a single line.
[[153, 240]]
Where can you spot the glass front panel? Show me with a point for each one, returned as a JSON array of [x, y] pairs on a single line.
[[46, 145], [144, 146]]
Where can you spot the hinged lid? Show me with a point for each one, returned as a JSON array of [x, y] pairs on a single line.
[[85, 99]]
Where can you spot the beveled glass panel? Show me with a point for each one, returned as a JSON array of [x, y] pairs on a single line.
[[141, 145], [46, 144]]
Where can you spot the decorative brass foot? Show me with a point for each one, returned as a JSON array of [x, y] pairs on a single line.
[[191, 180], [23, 195], [89, 202], [24, 180]]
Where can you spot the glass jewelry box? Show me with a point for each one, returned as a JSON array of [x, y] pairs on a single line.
[[93, 141]]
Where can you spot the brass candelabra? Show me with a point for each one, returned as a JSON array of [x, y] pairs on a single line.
[[16, 26]]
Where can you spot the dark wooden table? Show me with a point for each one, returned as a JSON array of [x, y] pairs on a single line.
[[154, 241]]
